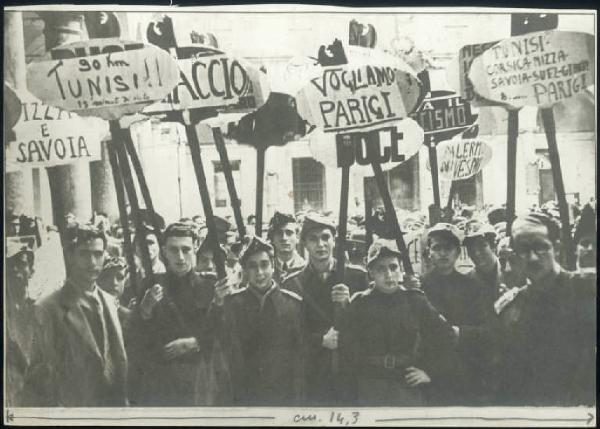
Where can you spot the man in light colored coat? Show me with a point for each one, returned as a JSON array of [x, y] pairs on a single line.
[[79, 358]]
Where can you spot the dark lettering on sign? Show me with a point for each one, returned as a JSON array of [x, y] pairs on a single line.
[[221, 78], [444, 114], [363, 148], [53, 149], [34, 111], [88, 51], [352, 112]]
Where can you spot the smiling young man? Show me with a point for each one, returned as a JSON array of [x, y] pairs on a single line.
[[79, 357], [172, 329], [261, 329], [547, 336], [322, 294], [461, 300], [283, 234], [397, 343]]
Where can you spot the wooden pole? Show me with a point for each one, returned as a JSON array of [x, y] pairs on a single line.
[[139, 171], [118, 180], [260, 184], [118, 138], [434, 170], [196, 153], [235, 201], [453, 187], [511, 167], [368, 213], [550, 130], [391, 212]]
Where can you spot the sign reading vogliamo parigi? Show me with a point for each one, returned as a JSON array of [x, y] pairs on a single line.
[[107, 78], [358, 97], [537, 69], [47, 136]]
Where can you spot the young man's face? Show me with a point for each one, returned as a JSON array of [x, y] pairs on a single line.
[[481, 253], [534, 249], [285, 239], [205, 261], [114, 282], [386, 273], [258, 270], [586, 251], [180, 254], [86, 260], [152, 243], [319, 243], [22, 267], [443, 253]]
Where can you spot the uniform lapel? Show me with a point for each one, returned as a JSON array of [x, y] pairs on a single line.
[[76, 319]]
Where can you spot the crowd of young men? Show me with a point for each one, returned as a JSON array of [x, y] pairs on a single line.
[[516, 330]]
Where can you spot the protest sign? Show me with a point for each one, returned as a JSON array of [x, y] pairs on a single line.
[[457, 73], [48, 136], [349, 98], [462, 158], [536, 69], [211, 78], [107, 78], [396, 144], [443, 114]]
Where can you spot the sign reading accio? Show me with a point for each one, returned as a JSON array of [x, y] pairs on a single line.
[[108, 78]]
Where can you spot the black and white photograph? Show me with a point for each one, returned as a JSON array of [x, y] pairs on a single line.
[[299, 215]]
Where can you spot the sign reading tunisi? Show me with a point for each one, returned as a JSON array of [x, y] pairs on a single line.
[[349, 98], [107, 78], [537, 69]]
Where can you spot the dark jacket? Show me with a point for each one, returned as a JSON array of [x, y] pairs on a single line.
[[384, 334], [182, 313], [493, 288], [546, 344], [295, 264], [262, 336], [322, 385], [462, 301]]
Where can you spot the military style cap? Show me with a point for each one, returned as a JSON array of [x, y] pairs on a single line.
[[181, 229], [255, 245], [279, 219], [380, 250], [446, 230], [314, 221], [476, 228], [78, 232]]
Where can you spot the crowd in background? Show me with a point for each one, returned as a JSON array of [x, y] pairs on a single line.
[[288, 325]]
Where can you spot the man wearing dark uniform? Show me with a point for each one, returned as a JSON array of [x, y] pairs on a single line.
[[283, 234], [480, 241], [323, 296], [397, 343], [460, 299], [261, 331], [172, 329], [546, 330]]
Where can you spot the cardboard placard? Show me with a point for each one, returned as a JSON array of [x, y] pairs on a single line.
[[48, 136], [211, 78], [536, 69], [349, 98], [397, 143], [107, 78], [443, 114], [457, 73], [460, 159]]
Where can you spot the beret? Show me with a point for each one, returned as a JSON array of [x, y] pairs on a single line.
[[379, 250], [476, 228], [445, 229], [314, 221], [255, 245]]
